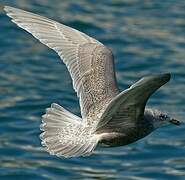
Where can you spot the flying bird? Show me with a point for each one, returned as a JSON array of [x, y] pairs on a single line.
[[109, 117]]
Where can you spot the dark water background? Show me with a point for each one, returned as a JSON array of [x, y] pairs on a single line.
[[146, 37]]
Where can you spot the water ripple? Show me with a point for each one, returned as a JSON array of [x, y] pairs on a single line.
[[145, 36]]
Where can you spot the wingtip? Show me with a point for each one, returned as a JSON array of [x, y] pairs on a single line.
[[164, 78], [167, 76], [10, 9], [7, 8]]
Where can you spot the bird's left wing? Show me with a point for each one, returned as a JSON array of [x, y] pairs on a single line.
[[127, 108], [89, 62]]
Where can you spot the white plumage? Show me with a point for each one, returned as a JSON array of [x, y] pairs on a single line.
[[77, 50], [107, 115]]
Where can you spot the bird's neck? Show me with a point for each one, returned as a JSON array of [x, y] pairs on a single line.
[[149, 117]]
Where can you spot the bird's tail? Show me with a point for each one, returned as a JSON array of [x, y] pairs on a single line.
[[63, 133]]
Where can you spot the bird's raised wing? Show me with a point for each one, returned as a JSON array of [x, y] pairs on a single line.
[[89, 62], [127, 108]]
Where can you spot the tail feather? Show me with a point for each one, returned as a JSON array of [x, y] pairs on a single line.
[[64, 133]]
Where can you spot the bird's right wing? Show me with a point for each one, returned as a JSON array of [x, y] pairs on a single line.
[[127, 108], [89, 62]]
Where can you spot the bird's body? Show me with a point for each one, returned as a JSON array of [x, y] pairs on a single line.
[[109, 117], [125, 134]]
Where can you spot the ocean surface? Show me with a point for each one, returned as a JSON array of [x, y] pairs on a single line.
[[146, 37]]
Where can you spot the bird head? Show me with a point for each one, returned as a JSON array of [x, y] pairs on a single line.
[[160, 119]]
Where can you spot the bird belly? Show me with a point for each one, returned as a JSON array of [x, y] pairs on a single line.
[[115, 139]]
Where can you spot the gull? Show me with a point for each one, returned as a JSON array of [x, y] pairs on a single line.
[[109, 117]]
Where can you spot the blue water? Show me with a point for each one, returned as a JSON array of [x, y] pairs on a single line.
[[145, 36]]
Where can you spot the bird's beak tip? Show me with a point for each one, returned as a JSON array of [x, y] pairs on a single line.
[[175, 122]]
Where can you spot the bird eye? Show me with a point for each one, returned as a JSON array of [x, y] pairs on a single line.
[[163, 116]]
